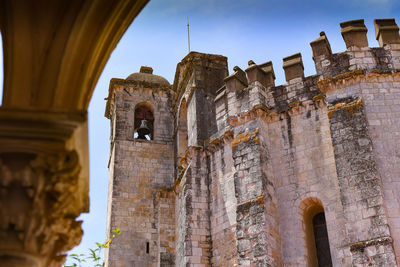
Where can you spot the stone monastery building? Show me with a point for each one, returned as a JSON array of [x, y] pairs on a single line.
[[233, 170]]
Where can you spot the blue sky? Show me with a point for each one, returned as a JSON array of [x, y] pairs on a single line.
[[241, 30]]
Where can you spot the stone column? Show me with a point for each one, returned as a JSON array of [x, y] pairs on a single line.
[[42, 186]]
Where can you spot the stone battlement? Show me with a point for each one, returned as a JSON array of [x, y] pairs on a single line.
[[233, 98], [357, 56]]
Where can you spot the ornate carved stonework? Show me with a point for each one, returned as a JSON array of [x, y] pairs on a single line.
[[38, 206]]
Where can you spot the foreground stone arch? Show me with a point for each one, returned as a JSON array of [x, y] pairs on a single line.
[[54, 53]]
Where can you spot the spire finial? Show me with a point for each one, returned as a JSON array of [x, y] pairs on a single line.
[[188, 34]]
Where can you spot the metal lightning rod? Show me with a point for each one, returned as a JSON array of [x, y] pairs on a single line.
[[188, 34]]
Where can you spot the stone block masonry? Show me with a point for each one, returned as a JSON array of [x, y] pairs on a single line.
[[141, 171], [361, 193], [379, 93], [256, 230], [238, 171], [194, 221], [223, 206]]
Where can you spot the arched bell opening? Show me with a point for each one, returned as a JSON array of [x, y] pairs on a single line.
[[144, 122]]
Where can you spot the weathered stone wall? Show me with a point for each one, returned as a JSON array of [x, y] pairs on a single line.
[[257, 226], [223, 205], [380, 100], [359, 181], [166, 227], [304, 168], [193, 221], [370, 77], [197, 79], [305, 163], [298, 146], [382, 106]]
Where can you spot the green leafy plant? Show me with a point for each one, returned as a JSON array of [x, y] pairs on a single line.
[[93, 256]]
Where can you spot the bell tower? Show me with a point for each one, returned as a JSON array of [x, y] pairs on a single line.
[[141, 169]]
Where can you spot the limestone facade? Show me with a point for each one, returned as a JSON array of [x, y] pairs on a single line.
[[241, 172]]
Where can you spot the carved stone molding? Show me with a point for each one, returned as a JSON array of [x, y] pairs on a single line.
[[38, 206], [42, 186]]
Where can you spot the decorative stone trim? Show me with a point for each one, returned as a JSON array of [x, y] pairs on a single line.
[[244, 137], [43, 208], [355, 77], [271, 115], [256, 112], [216, 143], [259, 199], [373, 242], [348, 106]]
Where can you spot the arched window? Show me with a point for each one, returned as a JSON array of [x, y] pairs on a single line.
[[144, 122], [316, 233]]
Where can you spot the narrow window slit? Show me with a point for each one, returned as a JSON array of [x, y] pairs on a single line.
[[321, 240]]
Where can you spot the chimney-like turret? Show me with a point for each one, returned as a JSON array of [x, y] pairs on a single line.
[[386, 31], [354, 33], [293, 66]]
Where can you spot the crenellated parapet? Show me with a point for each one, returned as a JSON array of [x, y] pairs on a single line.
[[237, 80], [254, 86], [358, 54], [354, 33], [294, 69], [262, 73], [386, 32], [321, 46], [246, 90]]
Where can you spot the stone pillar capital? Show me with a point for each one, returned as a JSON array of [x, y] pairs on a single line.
[[43, 187]]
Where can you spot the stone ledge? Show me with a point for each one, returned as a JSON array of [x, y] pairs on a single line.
[[259, 199], [246, 136], [271, 115], [372, 242], [212, 145], [354, 77], [348, 106]]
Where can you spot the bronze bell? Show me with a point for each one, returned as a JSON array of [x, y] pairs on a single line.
[[143, 129]]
